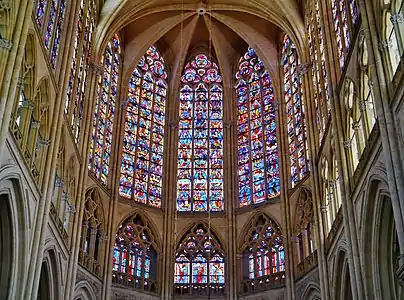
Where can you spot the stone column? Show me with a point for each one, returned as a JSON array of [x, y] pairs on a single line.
[[391, 150], [397, 20], [326, 218], [296, 250], [305, 242]]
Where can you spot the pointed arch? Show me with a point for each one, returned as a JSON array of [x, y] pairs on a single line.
[[49, 280], [263, 254], [296, 118], [143, 140], [200, 146], [135, 254], [93, 232], [104, 113], [84, 291], [199, 263], [258, 162]]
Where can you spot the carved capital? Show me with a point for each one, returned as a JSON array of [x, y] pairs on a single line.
[[347, 144], [21, 82], [396, 18], [27, 104], [65, 196], [363, 105], [173, 125], [384, 46], [356, 125], [303, 68], [5, 4], [42, 142], [59, 182], [6, 44], [324, 209], [35, 124], [70, 209], [228, 123], [97, 68]]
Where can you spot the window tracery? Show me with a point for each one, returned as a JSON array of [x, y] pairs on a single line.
[[258, 162], [345, 18], [392, 32], [50, 18], [304, 224], [296, 124], [200, 147], [135, 255], [92, 235], [263, 254], [25, 93], [101, 138], [318, 63], [74, 104], [199, 263], [142, 156]]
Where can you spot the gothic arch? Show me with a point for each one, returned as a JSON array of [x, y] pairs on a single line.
[[50, 280], [247, 226], [304, 211], [379, 224], [342, 281], [14, 212], [311, 292], [84, 291]]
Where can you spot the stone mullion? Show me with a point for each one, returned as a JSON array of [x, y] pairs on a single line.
[[15, 49], [316, 184], [384, 114], [115, 159], [284, 175], [78, 217]]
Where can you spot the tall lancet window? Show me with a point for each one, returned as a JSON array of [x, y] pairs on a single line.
[[346, 16], [101, 137], [200, 147], [83, 37], [142, 155], [258, 164], [295, 111], [318, 65], [49, 17]]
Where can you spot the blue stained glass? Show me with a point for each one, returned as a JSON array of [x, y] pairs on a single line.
[[100, 146], [295, 112], [200, 136], [40, 12], [145, 111], [255, 120], [58, 33], [51, 23]]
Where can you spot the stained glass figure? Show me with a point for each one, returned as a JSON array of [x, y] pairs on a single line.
[[101, 137], [49, 17], [345, 17], [134, 255], [319, 72], [293, 90], [264, 253], [200, 147], [74, 104], [199, 261], [143, 141], [258, 163]]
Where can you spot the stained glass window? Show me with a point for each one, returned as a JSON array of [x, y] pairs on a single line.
[[258, 163], [319, 72], [101, 138], [142, 156], [345, 17], [293, 89], [74, 105], [49, 16], [264, 252], [199, 263], [134, 261], [200, 147]]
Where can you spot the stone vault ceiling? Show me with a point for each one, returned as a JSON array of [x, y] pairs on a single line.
[[180, 30]]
